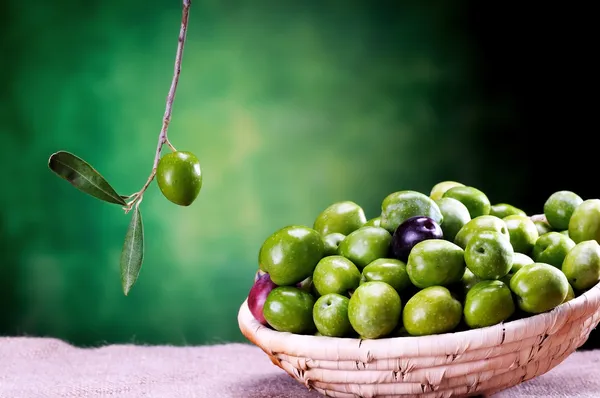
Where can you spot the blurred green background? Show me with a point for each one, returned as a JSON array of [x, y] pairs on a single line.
[[290, 106]]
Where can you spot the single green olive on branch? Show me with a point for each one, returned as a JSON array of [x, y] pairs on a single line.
[[178, 175]]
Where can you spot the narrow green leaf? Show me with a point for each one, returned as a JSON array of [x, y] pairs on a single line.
[[133, 251], [83, 177]]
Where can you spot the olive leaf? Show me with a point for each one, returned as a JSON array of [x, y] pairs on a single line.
[[133, 251], [83, 177]]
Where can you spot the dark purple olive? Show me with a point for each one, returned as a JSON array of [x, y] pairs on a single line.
[[258, 274], [306, 284], [258, 295], [412, 231]]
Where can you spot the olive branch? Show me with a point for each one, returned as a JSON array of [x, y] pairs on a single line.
[[88, 180]]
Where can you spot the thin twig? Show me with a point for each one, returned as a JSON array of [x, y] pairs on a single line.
[[163, 137]]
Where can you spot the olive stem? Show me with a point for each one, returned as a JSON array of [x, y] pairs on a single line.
[[163, 137], [171, 145]]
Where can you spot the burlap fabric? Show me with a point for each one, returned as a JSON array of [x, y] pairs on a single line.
[[43, 367]]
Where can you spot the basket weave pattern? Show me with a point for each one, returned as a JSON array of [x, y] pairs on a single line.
[[473, 362]]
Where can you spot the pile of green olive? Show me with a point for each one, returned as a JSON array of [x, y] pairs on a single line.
[[428, 264]]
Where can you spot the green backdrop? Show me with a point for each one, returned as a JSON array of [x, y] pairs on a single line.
[[289, 106]]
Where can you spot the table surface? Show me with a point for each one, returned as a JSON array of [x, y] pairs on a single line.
[[45, 367]]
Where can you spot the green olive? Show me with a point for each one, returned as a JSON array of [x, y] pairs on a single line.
[[432, 310], [179, 177], [488, 303]]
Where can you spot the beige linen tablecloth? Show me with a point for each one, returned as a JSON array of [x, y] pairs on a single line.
[[42, 367]]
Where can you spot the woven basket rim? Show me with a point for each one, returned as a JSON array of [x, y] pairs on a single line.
[[323, 347]]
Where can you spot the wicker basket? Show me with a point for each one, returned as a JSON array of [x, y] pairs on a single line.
[[467, 363]]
